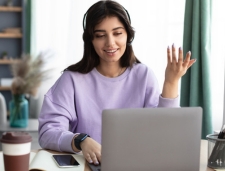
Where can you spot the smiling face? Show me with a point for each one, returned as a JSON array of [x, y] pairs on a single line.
[[110, 38]]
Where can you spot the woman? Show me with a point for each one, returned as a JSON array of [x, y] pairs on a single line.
[[108, 76]]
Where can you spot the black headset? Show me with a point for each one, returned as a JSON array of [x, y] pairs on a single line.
[[85, 15]]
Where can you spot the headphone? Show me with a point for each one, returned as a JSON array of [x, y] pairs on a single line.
[[85, 15]]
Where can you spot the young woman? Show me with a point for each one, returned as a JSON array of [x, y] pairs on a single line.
[[108, 76]]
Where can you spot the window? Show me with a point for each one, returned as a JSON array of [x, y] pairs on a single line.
[[217, 61]]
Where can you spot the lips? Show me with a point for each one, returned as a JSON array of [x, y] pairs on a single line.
[[111, 51]]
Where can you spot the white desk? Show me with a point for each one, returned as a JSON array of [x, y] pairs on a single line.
[[32, 129], [203, 158]]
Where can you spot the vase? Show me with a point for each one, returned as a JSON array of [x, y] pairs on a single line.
[[18, 111]]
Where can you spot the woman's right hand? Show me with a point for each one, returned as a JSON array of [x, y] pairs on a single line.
[[91, 150]]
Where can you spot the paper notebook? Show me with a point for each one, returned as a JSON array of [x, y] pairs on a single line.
[[42, 161]]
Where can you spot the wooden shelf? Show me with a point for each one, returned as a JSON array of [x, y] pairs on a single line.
[[10, 9], [4, 88], [10, 35], [8, 61]]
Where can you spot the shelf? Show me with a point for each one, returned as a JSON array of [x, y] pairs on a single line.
[[11, 35], [10, 9], [8, 61], [4, 88]]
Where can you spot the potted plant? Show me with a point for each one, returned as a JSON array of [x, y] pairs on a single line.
[[28, 74]]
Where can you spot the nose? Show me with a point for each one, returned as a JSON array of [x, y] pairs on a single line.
[[110, 41]]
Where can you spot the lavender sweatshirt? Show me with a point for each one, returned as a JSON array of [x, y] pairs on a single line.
[[75, 102]]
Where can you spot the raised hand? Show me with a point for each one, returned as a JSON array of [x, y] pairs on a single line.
[[176, 68]]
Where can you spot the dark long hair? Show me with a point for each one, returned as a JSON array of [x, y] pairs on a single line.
[[95, 14]]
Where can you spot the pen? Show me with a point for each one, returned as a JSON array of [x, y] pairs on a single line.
[[222, 133], [222, 136]]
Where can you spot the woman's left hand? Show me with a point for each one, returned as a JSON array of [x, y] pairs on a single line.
[[176, 68]]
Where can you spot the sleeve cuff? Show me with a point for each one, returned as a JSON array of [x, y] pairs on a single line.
[[65, 142], [165, 102]]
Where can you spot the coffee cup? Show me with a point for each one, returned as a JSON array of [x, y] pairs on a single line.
[[16, 150]]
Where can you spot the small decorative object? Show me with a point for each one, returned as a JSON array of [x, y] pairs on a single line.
[[3, 112], [4, 55], [9, 3], [7, 82], [28, 75]]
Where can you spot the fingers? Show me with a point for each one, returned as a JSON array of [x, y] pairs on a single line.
[[180, 56], [92, 158], [91, 151], [174, 57], [168, 55], [187, 59], [99, 157], [88, 158], [192, 61]]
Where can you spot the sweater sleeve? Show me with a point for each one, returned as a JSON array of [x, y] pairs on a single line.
[[153, 94], [56, 116], [165, 102]]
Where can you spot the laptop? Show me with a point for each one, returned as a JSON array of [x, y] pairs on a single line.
[[154, 139]]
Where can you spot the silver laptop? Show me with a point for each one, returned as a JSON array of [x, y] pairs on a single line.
[[151, 139]]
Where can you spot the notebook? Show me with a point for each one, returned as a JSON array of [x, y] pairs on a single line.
[[151, 139]]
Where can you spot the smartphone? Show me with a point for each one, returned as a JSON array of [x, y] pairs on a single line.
[[65, 160]]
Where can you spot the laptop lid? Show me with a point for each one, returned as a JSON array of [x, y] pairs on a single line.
[[151, 139]]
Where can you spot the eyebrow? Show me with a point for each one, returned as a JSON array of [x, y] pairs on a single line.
[[105, 31]]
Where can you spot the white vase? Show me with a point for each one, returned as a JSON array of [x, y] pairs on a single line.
[[3, 111]]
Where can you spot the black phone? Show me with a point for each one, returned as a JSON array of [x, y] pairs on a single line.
[[65, 160]]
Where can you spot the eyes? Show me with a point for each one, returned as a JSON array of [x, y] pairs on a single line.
[[102, 35]]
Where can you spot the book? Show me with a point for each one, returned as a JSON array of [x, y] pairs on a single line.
[[43, 161]]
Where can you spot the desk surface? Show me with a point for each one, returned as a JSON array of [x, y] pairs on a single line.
[[203, 158], [32, 126]]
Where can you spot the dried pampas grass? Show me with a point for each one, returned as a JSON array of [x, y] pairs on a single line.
[[28, 74]]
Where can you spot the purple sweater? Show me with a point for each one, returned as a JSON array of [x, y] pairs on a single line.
[[75, 102]]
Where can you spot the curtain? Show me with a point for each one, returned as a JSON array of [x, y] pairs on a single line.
[[195, 85]]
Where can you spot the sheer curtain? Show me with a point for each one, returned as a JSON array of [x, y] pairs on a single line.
[[57, 28], [217, 62]]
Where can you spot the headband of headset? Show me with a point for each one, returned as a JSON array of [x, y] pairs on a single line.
[[85, 15]]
